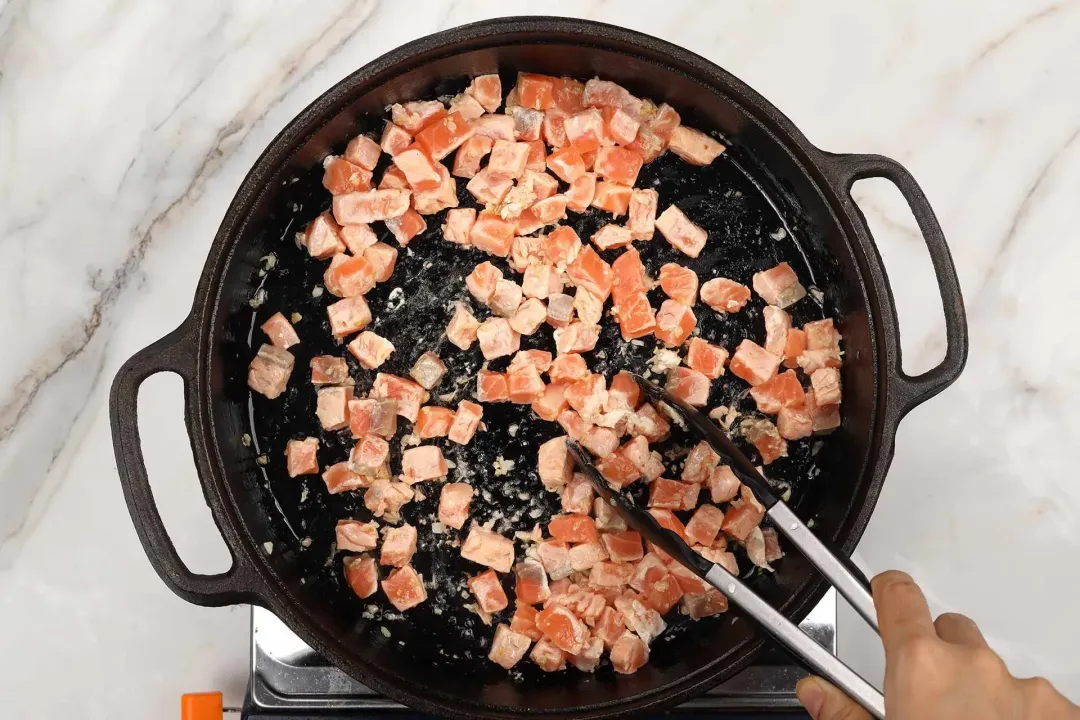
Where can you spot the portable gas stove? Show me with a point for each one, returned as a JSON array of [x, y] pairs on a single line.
[[288, 680]]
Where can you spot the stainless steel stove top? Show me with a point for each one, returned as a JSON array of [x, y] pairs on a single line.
[[287, 675]]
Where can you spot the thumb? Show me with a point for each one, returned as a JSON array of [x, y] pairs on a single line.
[[825, 702]]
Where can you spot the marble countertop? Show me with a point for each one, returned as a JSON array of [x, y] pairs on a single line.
[[126, 127]]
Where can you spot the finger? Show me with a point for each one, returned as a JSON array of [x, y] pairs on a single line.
[[959, 630], [824, 701], [902, 610]]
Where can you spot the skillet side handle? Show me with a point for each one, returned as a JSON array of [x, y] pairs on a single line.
[[911, 391], [172, 353]]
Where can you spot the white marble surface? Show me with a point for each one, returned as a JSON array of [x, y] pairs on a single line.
[[125, 128]]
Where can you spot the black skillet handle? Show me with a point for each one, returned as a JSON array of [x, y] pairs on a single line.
[[176, 352], [912, 391]]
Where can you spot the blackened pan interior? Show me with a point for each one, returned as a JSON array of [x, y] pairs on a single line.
[[743, 200]]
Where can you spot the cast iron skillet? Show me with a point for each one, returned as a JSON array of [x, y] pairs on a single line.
[[771, 178]]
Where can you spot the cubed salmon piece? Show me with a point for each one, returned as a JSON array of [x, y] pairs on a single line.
[[607, 517], [322, 237], [535, 91], [487, 89], [794, 423], [496, 127], [461, 330], [506, 299], [680, 232], [688, 385], [527, 126], [358, 238], [585, 130], [332, 407], [508, 647], [649, 561], [822, 417], [618, 164], [375, 416], [567, 164], [621, 126], [573, 528], [609, 627], [487, 548], [554, 555], [394, 139], [468, 157], [783, 390], [642, 212], [405, 227], [562, 628], [623, 393], [777, 326], [491, 386], [764, 436], [398, 546], [661, 590], [699, 463], [531, 587], [442, 196], [385, 498], [589, 657], [577, 337], [489, 592], [441, 137], [813, 360], [535, 167], [627, 276], [508, 159], [301, 456], [611, 574], [383, 258], [489, 187], [554, 463], [822, 335], [667, 519], [623, 546], [680, 283], [467, 106], [369, 454], [553, 129], [524, 384], [433, 421], [706, 358], [544, 185], [653, 136], [673, 494], [567, 93], [367, 207], [582, 191], [648, 423], [363, 151], [711, 602], [826, 384], [551, 403], [492, 234], [370, 349], [584, 555], [540, 281], [497, 338], [612, 197], [694, 146], [618, 470], [280, 331], [643, 620], [604, 93], [743, 516], [636, 317], [779, 286], [722, 484], [416, 115], [577, 495], [408, 394], [589, 271], [482, 280], [393, 179], [423, 463], [428, 370], [454, 501], [340, 478], [356, 536], [674, 323], [524, 619], [328, 370], [548, 211], [753, 363], [342, 176], [724, 295], [540, 359], [561, 246], [361, 574], [568, 367], [466, 421], [704, 526], [588, 395], [611, 236], [404, 588]]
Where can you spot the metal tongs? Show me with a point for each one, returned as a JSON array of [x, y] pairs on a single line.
[[848, 579]]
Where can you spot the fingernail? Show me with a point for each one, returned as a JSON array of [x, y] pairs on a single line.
[[811, 695]]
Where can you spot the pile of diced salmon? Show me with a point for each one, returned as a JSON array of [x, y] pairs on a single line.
[[587, 586]]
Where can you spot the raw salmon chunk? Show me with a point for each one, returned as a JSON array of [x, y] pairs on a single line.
[[488, 548], [680, 283], [722, 484], [783, 390], [280, 331], [482, 280], [584, 555], [399, 545], [332, 407], [623, 546], [611, 236], [301, 456], [373, 416], [621, 126], [358, 238], [356, 536], [367, 207], [406, 227], [673, 494], [362, 575], [535, 91], [509, 158], [416, 115], [589, 271], [764, 436], [363, 151], [680, 232], [826, 384], [822, 417], [491, 386], [497, 338], [489, 187], [573, 528], [704, 526], [428, 370], [462, 328], [561, 246], [394, 139], [777, 326], [383, 258], [612, 197], [562, 627], [699, 463], [585, 130], [322, 236], [433, 421], [489, 592], [554, 555], [466, 421], [551, 403], [688, 385], [706, 358], [642, 211], [567, 164], [694, 146], [508, 647], [794, 423], [524, 384], [350, 276], [580, 194], [779, 286], [674, 323], [496, 127], [369, 454], [328, 370], [487, 89], [370, 349], [340, 175], [385, 499], [443, 136], [423, 463], [637, 317], [629, 654], [724, 295], [618, 165], [492, 234], [753, 363], [639, 617], [530, 585], [454, 500], [408, 394], [822, 335], [418, 168], [340, 478], [404, 588], [661, 590]]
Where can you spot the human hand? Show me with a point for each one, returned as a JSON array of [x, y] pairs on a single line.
[[936, 669]]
